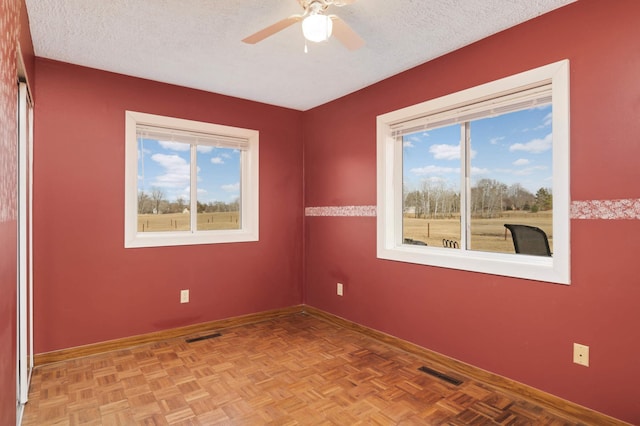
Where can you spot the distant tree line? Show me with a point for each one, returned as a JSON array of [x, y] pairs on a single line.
[[489, 198], [156, 202]]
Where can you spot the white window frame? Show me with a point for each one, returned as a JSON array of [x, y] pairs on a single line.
[[249, 184], [390, 245]]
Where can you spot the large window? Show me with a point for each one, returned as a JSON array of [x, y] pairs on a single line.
[[189, 182], [479, 180]]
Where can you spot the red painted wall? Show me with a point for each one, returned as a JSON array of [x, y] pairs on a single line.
[[520, 329], [8, 277], [89, 287]]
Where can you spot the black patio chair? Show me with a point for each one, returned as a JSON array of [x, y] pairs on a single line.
[[529, 240]]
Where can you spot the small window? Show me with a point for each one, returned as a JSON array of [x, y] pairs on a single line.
[[479, 180], [189, 182]]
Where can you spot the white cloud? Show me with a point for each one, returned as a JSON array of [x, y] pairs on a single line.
[[434, 170], [408, 144], [217, 160], [233, 187], [435, 180], [521, 162], [535, 146], [494, 141], [176, 171], [416, 137], [445, 152], [225, 155], [142, 152], [546, 122], [204, 148], [175, 146]]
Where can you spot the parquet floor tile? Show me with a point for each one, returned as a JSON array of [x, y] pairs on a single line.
[[293, 370]]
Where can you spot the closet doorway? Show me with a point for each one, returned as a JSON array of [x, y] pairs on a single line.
[[25, 248]]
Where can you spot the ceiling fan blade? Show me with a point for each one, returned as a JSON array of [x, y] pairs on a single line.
[[272, 29], [341, 3], [345, 34]]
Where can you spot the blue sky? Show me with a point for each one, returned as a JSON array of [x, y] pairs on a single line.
[[166, 165], [511, 148]]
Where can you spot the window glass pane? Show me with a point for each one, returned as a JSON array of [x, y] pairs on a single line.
[[431, 187], [163, 186], [219, 188], [511, 177]]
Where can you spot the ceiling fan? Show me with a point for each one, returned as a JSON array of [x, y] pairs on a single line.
[[316, 25]]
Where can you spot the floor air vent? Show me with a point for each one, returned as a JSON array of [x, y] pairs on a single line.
[[441, 376], [209, 336]]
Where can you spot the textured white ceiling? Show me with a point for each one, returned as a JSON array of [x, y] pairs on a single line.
[[196, 43]]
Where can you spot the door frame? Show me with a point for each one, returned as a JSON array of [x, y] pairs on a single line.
[[24, 340]]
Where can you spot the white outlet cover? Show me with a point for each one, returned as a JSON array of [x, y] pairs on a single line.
[[184, 296], [581, 354]]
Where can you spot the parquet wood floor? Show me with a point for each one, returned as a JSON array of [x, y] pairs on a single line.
[[294, 370]]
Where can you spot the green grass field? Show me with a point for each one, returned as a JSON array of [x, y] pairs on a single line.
[[486, 234], [182, 221]]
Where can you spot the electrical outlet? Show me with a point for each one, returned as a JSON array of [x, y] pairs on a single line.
[[581, 354], [184, 296], [340, 289]]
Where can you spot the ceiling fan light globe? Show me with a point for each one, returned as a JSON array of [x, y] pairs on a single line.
[[317, 27]]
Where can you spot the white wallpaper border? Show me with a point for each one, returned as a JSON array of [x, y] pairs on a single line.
[[622, 209], [358, 211], [628, 208]]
